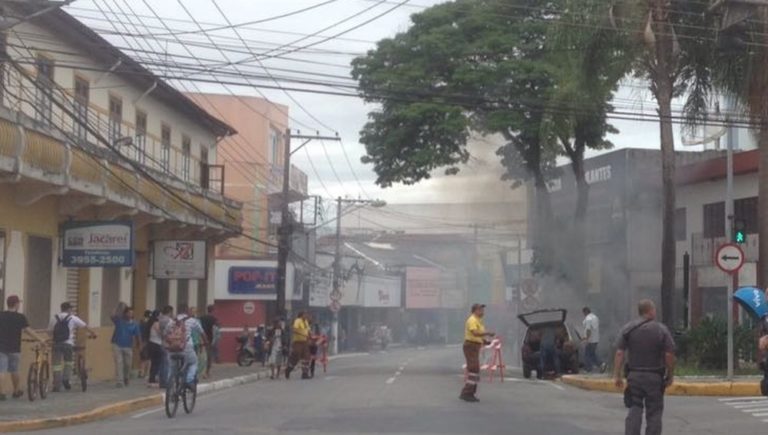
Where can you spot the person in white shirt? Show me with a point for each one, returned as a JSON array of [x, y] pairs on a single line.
[[192, 326], [63, 329], [592, 338]]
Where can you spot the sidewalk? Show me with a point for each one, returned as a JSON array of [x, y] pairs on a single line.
[[98, 395], [742, 386]]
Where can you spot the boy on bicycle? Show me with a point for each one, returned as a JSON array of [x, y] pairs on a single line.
[[178, 341]]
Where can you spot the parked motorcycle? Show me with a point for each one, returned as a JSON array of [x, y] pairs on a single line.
[[246, 355]]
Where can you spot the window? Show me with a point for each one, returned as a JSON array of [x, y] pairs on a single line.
[[165, 139], [186, 151], [745, 213], [82, 96], [274, 147], [39, 270], [681, 233], [44, 90], [115, 118], [141, 137], [714, 220]]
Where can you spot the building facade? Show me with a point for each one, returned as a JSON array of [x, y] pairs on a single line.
[[91, 141]]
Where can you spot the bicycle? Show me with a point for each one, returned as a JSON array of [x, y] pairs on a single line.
[[39, 373], [178, 390], [79, 369]]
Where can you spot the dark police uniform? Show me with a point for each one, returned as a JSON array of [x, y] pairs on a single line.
[[646, 343]]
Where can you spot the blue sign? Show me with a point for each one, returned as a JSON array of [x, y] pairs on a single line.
[[97, 244], [261, 281], [752, 299]]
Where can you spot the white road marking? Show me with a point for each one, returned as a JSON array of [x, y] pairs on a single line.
[[760, 414], [146, 413], [751, 410], [330, 378], [739, 399], [391, 380], [552, 384], [401, 368], [742, 405]]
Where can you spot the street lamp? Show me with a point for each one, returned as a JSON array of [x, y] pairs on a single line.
[[336, 293]]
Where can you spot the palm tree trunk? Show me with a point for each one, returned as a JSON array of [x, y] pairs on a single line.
[[762, 274], [668, 254]]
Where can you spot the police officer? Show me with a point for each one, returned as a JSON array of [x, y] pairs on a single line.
[[651, 369], [474, 338]]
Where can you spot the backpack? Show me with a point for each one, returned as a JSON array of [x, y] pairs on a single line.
[[175, 336], [61, 329]]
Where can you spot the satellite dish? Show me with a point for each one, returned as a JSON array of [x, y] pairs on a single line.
[[703, 135]]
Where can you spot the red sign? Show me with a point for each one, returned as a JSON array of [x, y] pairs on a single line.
[[729, 258]]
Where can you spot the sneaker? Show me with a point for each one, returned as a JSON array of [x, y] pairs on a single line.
[[18, 394], [471, 399], [67, 385]]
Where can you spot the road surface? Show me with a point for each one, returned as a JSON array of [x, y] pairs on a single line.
[[416, 392]]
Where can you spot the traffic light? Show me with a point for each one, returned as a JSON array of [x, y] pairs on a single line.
[[739, 234]]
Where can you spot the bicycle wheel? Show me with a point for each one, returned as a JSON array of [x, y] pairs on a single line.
[[190, 398], [172, 397], [44, 379], [82, 373], [32, 383]]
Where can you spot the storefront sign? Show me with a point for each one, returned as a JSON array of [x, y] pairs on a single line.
[[97, 244], [179, 259], [422, 287], [382, 292], [250, 280]]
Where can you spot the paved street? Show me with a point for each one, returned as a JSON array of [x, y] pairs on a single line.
[[415, 392]]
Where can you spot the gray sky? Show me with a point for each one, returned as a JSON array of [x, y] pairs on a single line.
[[342, 114]]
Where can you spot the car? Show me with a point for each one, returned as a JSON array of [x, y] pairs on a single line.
[[568, 343]]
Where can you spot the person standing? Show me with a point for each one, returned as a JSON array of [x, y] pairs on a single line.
[[12, 325], [209, 323], [592, 338], [277, 346], [299, 346], [144, 357], [651, 369], [125, 335], [154, 348], [63, 329], [474, 338]]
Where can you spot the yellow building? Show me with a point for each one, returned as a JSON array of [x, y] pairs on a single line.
[[88, 134]]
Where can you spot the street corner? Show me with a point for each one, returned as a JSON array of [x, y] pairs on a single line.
[[713, 388], [100, 413], [605, 385]]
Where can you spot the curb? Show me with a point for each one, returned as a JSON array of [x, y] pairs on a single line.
[[120, 408], [717, 389]]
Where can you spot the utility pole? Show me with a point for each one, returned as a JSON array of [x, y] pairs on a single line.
[[729, 238], [336, 294], [285, 231]]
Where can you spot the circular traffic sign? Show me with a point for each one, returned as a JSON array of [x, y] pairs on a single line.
[[335, 306], [529, 287], [729, 258], [249, 308]]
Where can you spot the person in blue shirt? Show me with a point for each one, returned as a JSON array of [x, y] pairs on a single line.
[[127, 332]]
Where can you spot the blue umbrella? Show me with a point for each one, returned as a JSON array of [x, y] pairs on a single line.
[[752, 299]]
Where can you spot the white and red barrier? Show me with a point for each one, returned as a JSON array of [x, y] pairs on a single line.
[[492, 355], [322, 351]]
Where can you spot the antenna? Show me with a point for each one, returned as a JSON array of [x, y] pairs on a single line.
[[705, 134]]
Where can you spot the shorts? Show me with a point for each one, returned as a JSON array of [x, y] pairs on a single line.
[[9, 362]]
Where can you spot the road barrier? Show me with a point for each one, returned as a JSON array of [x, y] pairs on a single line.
[[322, 352], [493, 361]]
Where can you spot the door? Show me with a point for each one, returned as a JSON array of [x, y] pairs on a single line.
[[38, 280], [161, 294]]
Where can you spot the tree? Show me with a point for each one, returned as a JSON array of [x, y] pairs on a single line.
[[672, 32], [488, 67], [738, 68]]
